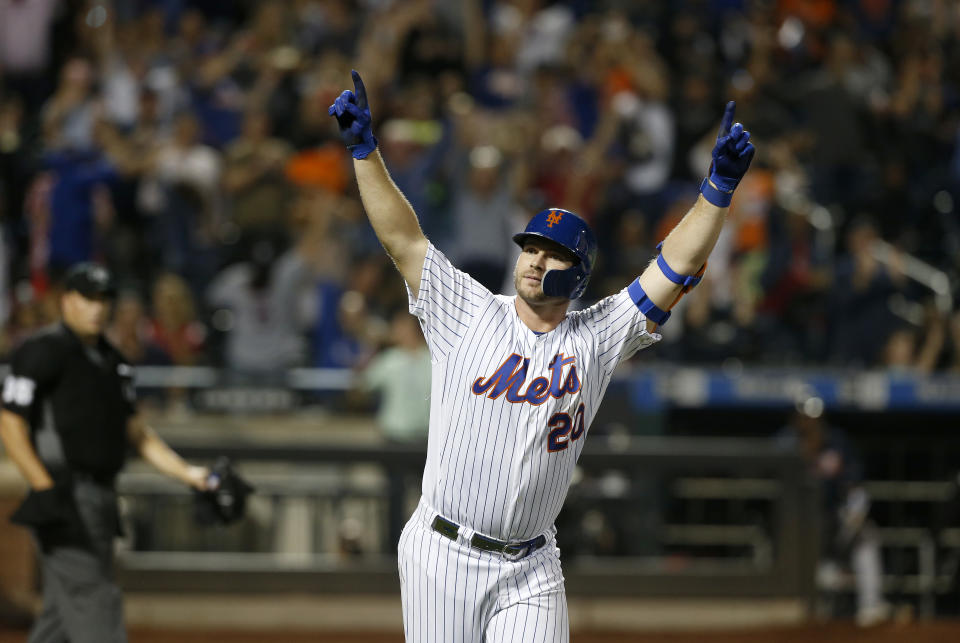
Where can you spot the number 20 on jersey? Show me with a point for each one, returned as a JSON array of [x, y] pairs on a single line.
[[564, 429]]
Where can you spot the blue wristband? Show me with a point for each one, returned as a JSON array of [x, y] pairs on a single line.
[[713, 195], [363, 149]]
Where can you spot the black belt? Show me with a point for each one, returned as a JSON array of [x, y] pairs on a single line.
[[514, 551]]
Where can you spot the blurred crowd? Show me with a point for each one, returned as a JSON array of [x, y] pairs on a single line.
[[186, 144]]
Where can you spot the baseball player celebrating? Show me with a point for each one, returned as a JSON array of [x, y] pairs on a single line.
[[516, 383]]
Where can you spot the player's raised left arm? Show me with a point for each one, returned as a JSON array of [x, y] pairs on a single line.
[[390, 214], [683, 254]]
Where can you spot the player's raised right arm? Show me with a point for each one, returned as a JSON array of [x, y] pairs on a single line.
[[390, 214], [683, 254]]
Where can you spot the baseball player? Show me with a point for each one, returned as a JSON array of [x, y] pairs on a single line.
[[516, 383]]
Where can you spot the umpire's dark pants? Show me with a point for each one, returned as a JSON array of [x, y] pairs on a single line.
[[81, 601]]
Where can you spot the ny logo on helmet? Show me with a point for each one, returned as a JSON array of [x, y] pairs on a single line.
[[554, 217]]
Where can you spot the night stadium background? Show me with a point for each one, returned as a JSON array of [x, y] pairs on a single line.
[[186, 145]]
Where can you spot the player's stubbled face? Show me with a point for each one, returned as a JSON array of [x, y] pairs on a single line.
[[87, 316], [538, 256]]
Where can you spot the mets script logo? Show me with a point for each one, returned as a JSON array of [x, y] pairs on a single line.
[[554, 217], [512, 374]]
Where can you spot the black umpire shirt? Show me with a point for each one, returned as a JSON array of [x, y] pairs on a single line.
[[77, 400]]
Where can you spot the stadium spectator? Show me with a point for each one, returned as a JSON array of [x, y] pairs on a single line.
[[400, 374], [260, 310], [916, 348], [175, 335], [181, 197], [346, 330], [483, 212], [646, 141], [68, 116], [253, 176], [414, 148], [79, 207], [26, 49], [859, 299], [127, 327], [16, 173]]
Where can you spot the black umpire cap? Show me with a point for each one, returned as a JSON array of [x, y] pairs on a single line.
[[90, 280]]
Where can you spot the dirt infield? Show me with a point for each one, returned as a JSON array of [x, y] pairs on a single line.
[[939, 632]]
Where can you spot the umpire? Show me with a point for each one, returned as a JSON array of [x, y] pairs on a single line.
[[69, 415]]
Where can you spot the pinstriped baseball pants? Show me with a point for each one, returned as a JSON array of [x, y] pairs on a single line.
[[453, 593]]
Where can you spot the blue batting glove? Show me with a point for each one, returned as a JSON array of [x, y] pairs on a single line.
[[731, 159], [353, 118]]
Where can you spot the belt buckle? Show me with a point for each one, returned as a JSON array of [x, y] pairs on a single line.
[[516, 552]]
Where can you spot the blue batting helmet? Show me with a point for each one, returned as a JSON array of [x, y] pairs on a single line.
[[573, 233]]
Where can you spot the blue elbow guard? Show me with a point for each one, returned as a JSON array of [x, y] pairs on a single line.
[[647, 307], [686, 282]]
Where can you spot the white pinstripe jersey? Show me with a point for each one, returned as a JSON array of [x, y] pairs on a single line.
[[510, 409]]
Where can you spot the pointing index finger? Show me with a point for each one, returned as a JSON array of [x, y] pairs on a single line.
[[727, 119], [359, 90]]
